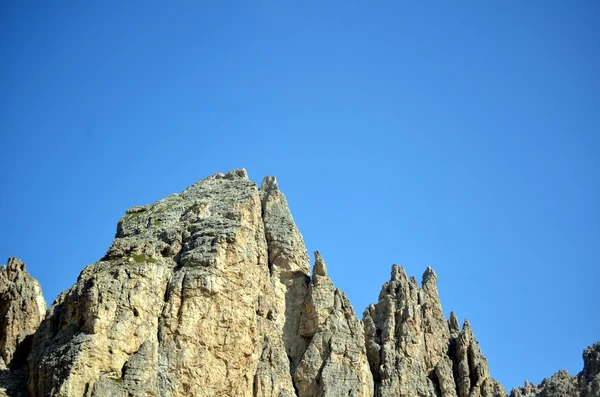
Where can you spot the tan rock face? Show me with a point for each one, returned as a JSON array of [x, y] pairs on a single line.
[[203, 293], [210, 293], [414, 351], [22, 308], [335, 362], [172, 307]]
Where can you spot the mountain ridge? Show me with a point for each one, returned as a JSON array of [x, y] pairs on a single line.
[[304, 338]]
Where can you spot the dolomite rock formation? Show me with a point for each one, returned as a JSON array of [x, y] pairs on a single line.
[[588, 380], [414, 351], [210, 293], [203, 293], [335, 361], [561, 384], [22, 308]]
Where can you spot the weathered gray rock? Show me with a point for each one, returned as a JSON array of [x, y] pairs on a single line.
[[406, 336], [588, 380], [22, 308], [561, 384], [289, 267], [202, 293], [335, 362], [209, 293], [414, 351], [473, 375], [174, 306]]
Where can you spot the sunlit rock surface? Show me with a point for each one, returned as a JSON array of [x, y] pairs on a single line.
[[210, 293]]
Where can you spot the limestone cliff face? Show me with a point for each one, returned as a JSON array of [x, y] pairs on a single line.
[[203, 293], [22, 308], [210, 293]]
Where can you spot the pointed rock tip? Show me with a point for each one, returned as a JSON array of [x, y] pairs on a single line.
[[466, 328], [428, 276], [398, 273], [269, 183], [15, 264], [239, 173], [453, 323], [320, 269]]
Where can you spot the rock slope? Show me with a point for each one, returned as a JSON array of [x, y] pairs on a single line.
[[210, 293]]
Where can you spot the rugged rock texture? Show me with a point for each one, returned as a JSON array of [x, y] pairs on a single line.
[[561, 384], [22, 308], [335, 362], [203, 293], [209, 293], [414, 351], [588, 380]]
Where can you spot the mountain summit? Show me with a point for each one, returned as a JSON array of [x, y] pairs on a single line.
[[210, 293]]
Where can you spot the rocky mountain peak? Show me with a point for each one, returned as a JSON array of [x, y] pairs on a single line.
[[320, 269], [453, 325], [15, 266], [209, 292], [22, 308], [269, 184]]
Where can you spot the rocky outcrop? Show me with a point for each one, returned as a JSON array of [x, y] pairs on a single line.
[[181, 304], [414, 351], [203, 293], [588, 380], [335, 362], [210, 293], [22, 308], [561, 384]]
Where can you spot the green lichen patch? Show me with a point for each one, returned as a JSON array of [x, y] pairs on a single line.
[[141, 258]]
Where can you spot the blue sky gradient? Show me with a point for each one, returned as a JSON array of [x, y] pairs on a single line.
[[459, 135]]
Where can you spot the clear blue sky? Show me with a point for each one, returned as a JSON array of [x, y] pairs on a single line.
[[461, 135]]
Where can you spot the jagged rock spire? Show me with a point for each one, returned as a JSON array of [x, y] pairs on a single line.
[[453, 325], [22, 309], [320, 269], [414, 351], [336, 340]]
